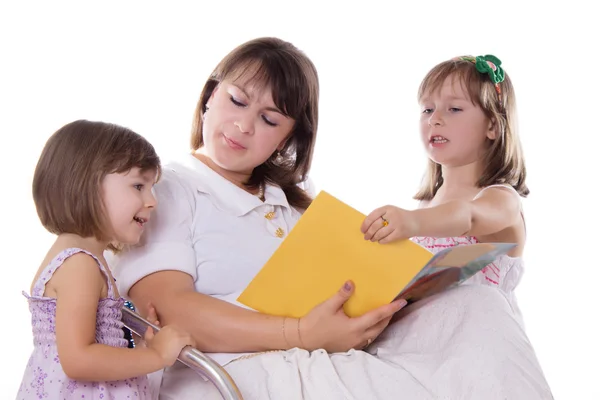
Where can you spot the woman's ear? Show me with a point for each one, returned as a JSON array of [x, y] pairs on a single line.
[[212, 95], [283, 143]]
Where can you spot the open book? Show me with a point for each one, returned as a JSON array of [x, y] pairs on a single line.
[[326, 248]]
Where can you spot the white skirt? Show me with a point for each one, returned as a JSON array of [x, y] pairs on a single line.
[[466, 343]]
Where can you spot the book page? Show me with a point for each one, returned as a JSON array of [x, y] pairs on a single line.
[[461, 255], [451, 267]]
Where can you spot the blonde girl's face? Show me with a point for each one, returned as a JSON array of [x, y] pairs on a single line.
[[454, 131]]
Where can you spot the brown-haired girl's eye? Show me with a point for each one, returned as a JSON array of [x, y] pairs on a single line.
[[138, 186]]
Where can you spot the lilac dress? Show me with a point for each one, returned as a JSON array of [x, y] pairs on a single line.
[[44, 377]]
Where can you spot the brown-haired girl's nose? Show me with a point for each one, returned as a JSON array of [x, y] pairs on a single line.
[[151, 201]]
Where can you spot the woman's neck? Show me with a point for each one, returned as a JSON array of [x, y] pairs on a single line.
[[237, 178]]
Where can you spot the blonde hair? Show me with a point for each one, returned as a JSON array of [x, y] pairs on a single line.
[[504, 156]]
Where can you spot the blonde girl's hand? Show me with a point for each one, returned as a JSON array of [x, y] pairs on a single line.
[[388, 224], [327, 326]]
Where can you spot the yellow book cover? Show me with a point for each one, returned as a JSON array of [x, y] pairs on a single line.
[[326, 248]]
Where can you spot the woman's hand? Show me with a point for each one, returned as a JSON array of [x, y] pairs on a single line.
[[387, 224], [327, 326]]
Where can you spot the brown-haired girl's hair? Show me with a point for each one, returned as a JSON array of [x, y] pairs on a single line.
[[293, 80], [67, 179], [504, 159]]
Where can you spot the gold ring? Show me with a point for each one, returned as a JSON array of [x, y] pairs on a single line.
[[385, 222]]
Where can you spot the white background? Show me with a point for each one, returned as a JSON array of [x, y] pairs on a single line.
[[143, 64]]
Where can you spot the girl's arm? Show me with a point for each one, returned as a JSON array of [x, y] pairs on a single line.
[[78, 284], [495, 210]]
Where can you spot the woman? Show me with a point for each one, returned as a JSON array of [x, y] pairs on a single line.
[[225, 209]]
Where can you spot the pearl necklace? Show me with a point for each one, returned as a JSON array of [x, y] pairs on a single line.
[[261, 192]]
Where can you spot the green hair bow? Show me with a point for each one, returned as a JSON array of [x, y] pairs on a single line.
[[488, 64]]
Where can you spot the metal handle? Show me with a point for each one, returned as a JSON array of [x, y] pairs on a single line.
[[189, 356]]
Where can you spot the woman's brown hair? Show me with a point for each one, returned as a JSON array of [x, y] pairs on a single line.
[[67, 179], [293, 80], [505, 163]]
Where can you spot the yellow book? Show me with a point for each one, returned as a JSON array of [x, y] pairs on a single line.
[[326, 248]]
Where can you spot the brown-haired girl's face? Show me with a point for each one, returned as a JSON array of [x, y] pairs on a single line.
[[454, 130], [129, 201], [242, 126]]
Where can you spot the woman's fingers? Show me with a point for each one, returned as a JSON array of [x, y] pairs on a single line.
[[373, 332], [383, 313]]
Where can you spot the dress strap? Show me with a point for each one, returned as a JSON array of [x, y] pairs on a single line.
[[500, 185], [40, 284]]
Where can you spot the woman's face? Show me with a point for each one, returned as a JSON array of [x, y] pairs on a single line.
[[242, 127]]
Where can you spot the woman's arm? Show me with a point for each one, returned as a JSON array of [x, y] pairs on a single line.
[[216, 325], [78, 284]]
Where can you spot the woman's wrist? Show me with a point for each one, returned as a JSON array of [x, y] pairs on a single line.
[[292, 334]]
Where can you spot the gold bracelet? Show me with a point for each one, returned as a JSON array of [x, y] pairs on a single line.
[[284, 335], [300, 336]]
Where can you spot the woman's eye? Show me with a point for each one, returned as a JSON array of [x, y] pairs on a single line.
[[236, 102], [268, 122]]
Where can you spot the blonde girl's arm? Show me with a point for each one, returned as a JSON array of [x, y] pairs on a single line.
[[493, 211], [78, 284]]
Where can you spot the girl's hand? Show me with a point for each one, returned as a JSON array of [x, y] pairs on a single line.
[[388, 224], [327, 326], [151, 317], [168, 343]]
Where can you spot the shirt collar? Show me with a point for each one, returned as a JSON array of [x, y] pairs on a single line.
[[224, 194]]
